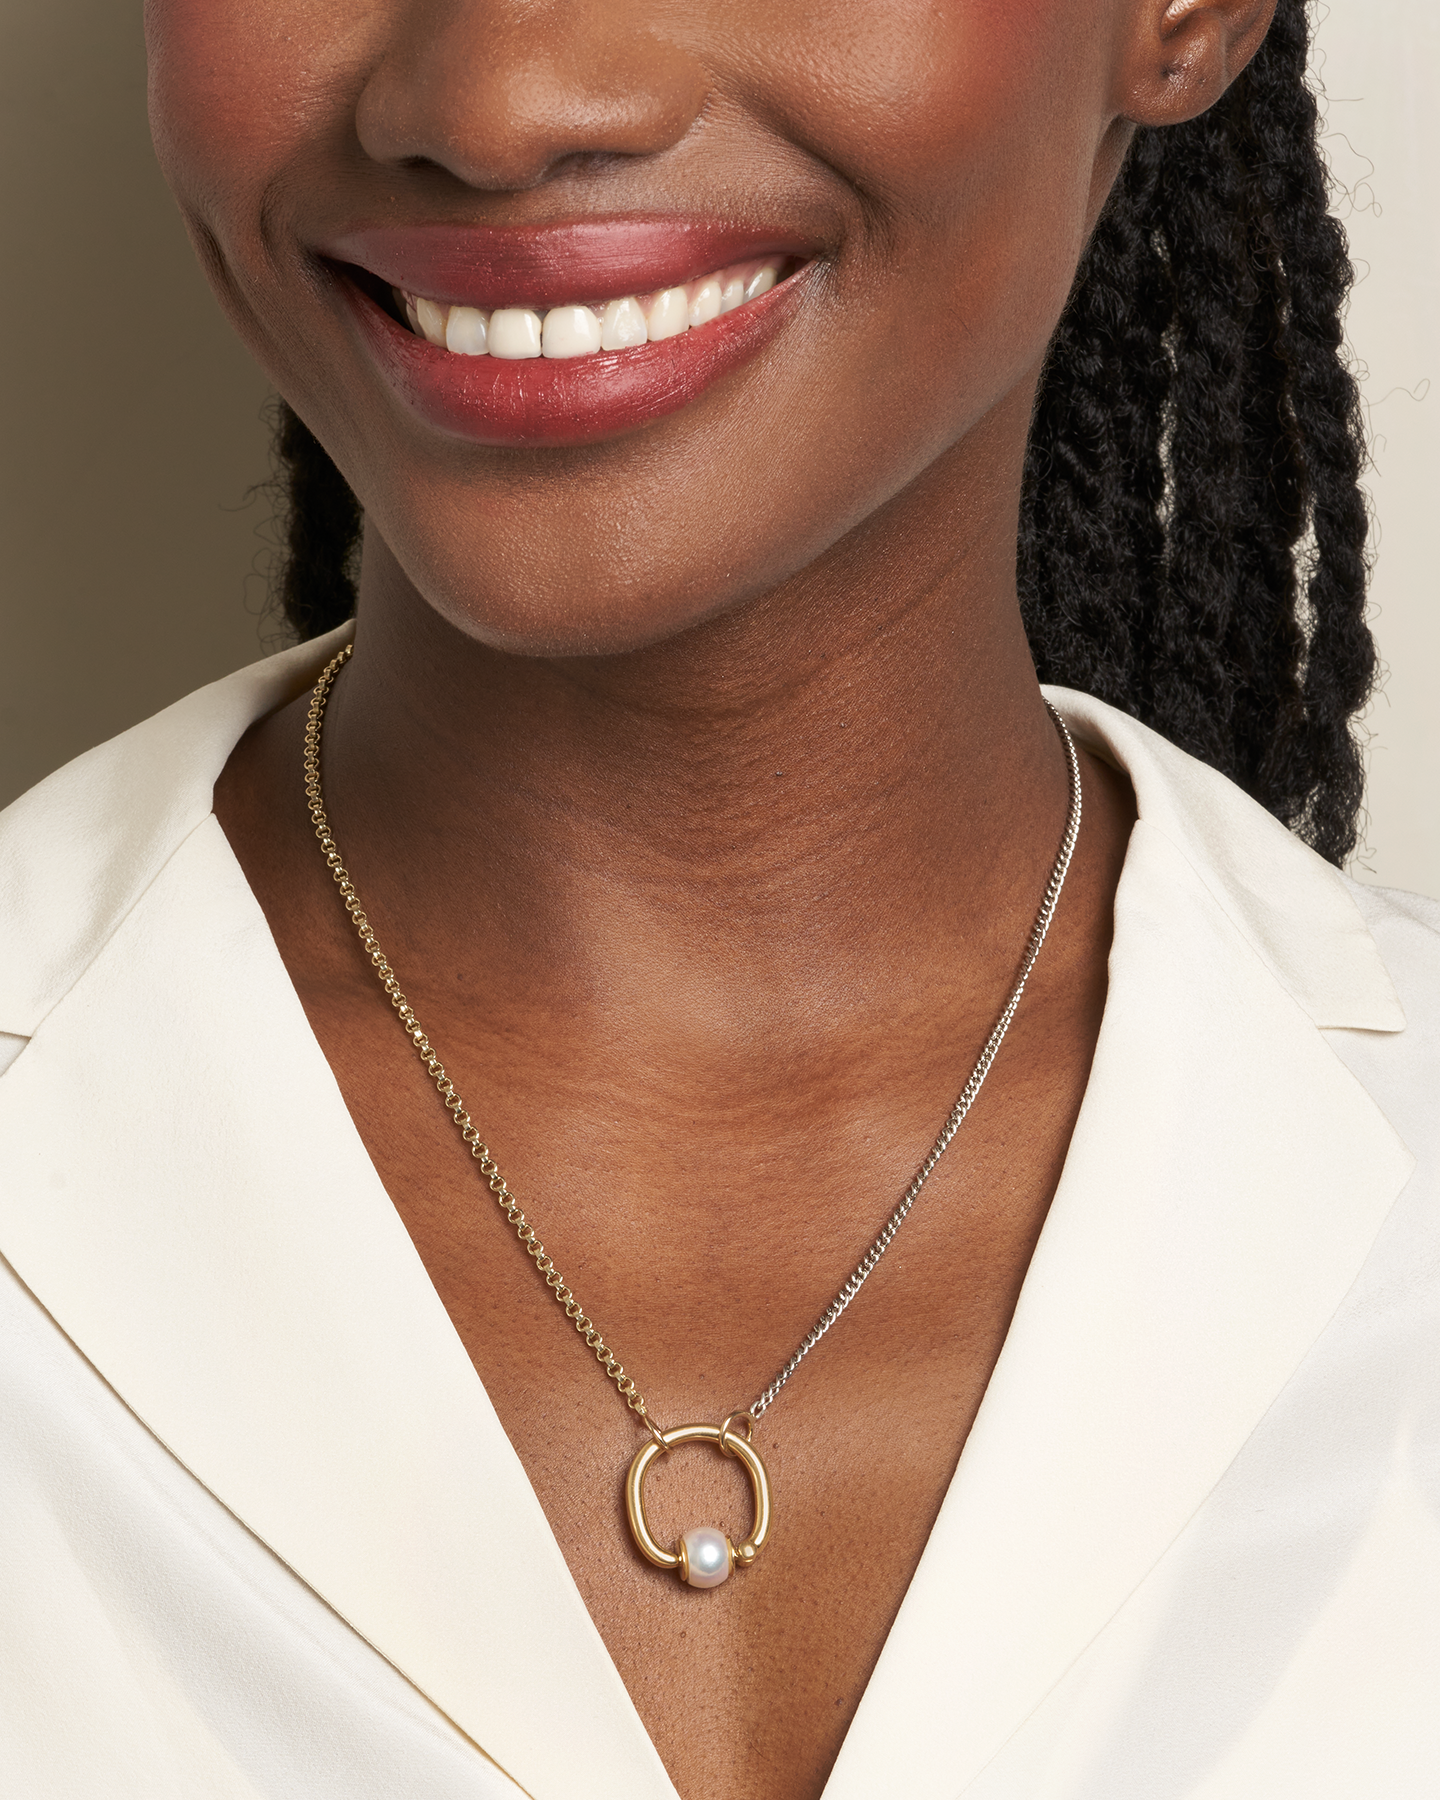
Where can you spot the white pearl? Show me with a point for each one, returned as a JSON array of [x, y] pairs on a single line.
[[707, 1556]]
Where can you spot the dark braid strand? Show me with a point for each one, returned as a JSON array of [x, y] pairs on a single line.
[[1340, 664], [1193, 539]]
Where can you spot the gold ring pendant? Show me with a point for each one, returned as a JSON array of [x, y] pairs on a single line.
[[704, 1557]]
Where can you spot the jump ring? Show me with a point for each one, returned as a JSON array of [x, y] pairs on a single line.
[[749, 1418]]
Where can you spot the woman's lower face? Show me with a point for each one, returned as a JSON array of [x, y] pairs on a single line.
[[616, 316]]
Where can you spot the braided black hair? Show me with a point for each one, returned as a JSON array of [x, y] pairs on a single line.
[[1193, 533], [1193, 538]]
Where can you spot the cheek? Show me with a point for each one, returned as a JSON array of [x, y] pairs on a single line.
[[238, 88], [212, 94], [916, 99], [974, 127]]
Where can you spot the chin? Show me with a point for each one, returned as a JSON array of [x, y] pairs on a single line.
[[521, 607], [562, 631]]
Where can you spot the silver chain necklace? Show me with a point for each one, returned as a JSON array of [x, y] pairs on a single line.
[[703, 1557]]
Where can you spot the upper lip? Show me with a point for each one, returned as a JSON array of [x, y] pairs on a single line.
[[553, 265]]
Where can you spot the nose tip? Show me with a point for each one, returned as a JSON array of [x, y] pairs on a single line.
[[500, 96]]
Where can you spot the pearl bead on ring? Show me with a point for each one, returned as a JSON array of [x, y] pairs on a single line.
[[704, 1557]]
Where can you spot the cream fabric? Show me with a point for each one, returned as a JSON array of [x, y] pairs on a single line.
[[261, 1533]]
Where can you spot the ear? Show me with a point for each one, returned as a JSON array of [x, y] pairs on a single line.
[[1183, 54]]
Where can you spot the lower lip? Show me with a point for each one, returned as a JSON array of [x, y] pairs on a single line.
[[575, 400]]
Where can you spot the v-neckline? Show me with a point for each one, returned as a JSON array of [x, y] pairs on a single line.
[[254, 1298]]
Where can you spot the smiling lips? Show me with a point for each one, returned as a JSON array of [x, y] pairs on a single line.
[[503, 349]]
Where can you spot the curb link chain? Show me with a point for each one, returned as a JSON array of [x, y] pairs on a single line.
[[866, 1266]]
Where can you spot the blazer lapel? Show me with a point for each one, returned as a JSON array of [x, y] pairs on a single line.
[[1226, 1179], [228, 1260]]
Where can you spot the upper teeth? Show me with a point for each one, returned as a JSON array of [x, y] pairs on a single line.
[[515, 332]]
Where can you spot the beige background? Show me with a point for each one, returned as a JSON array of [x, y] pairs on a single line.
[[134, 548]]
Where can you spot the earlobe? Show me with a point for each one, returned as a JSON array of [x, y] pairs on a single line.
[[1185, 53]]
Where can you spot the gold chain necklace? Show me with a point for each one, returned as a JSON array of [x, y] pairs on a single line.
[[704, 1557]]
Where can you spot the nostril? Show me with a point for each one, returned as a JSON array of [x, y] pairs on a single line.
[[588, 162]]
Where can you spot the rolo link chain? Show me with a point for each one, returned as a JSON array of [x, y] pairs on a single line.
[[507, 1201]]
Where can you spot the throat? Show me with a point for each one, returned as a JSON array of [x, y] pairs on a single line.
[[704, 855]]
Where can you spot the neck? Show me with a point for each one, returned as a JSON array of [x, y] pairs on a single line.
[[800, 799]]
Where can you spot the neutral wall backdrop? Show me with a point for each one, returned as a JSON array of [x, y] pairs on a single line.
[[133, 441]]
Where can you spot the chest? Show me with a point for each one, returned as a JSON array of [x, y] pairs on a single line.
[[704, 1235]]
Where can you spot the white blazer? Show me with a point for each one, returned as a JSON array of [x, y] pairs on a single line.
[[261, 1533]]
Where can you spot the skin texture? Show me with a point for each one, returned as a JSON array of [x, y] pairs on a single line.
[[696, 781]]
